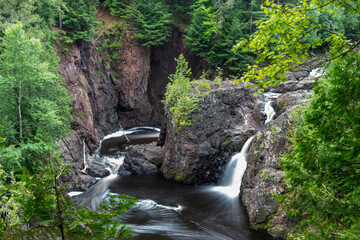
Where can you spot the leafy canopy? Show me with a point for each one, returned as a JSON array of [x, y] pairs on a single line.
[[283, 40], [33, 101]]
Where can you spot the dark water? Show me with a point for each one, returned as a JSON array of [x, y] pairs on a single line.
[[168, 210]]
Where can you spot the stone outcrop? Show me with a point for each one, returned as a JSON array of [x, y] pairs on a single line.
[[223, 121], [263, 177], [142, 159]]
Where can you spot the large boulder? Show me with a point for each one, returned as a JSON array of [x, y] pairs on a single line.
[[142, 159], [222, 122]]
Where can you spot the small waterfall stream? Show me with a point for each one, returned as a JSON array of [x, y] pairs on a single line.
[[234, 171], [230, 183]]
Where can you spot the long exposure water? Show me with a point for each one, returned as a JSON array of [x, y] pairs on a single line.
[[168, 210]]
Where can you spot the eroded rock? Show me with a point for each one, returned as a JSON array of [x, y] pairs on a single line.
[[223, 121]]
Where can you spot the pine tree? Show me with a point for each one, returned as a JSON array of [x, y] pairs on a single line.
[[202, 29], [151, 22]]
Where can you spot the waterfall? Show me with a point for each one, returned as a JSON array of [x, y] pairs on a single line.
[[98, 192], [268, 109], [110, 154], [230, 182], [316, 72], [234, 171]]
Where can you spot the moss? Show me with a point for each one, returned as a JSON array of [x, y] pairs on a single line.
[[265, 174]]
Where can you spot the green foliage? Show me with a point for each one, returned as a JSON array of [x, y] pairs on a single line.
[[202, 28], [179, 100], [79, 19], [119, 7], [33, 98], [180, 10], [36, 207], [33, 101], [203, 86], [149, 19], [112, 40], [285, 38], [219, 76], [323, 167], [265, 174]]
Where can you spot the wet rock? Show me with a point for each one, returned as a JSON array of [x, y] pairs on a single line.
[[263, 177], [142, 159], [197, 154], [98, 171]]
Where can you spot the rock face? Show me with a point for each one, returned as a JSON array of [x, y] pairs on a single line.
[[226, 117], [101, 102], [142, 159], [93, 108], [125, 92], [263, 176]]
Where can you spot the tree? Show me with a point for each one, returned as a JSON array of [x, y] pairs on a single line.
[[79, 19], [202, 29], [34, 103], [281, 42], [180, 101], [34, 206], [323, 168], [151, 22]]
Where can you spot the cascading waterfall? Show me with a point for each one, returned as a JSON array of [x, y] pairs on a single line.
[[235, 169], [98, 192], [268, 109], [234, 172], [167, 210]]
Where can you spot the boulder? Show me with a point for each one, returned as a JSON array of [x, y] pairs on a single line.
[[222, 122], [142, 159]]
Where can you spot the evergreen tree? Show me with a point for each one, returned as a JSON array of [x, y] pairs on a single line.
[[323, 168], [202, 29], [79, 19], [151, 22]]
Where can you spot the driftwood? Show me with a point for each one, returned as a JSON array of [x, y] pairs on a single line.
[[86, 165]]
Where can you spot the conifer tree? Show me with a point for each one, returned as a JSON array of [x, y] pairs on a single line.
[[151, 22]]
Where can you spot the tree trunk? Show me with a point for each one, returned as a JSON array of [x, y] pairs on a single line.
[[60, 20], [20, 114]]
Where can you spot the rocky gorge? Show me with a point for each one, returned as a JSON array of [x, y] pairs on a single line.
[[106, 98]]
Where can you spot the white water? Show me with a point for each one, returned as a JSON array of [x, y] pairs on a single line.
[[235, 169], [98, 192], [316, 72], [234, 172], [268, 109]]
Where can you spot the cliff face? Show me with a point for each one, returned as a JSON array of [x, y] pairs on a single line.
[[93, 106], [263, 177], [126, 91]]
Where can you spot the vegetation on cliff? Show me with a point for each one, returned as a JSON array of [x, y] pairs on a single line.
[[178, 98], [323, 166], [322, 170]]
